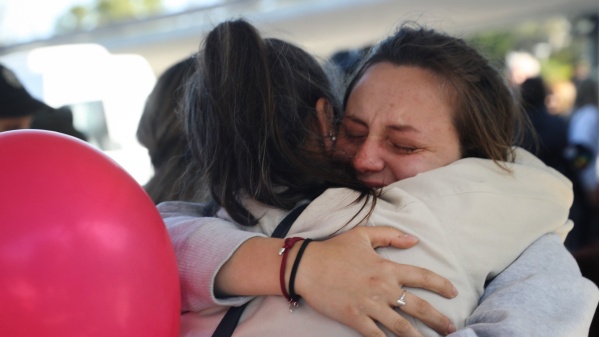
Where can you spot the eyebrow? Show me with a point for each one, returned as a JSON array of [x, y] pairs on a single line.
[[355, 120], [403, 128], [394, 127]]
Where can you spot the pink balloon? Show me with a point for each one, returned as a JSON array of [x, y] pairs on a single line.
[[83, 250]]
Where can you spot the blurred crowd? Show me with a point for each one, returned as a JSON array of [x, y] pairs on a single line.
[[565, 120]]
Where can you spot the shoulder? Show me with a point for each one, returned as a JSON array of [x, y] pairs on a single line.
[[179, 208], [527, 175], [333, 210]]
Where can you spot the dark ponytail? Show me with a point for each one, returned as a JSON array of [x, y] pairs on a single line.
[[252, 124]]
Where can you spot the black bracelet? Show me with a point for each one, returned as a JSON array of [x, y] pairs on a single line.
[[294, 297]]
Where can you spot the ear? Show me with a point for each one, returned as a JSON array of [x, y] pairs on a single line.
[[324, 111]]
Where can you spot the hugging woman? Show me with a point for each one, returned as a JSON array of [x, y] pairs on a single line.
[[425, 115]]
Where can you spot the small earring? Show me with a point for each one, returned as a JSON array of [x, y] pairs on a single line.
[[332, 136]]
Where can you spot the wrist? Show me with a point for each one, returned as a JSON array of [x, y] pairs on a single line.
[[287, 275], [303, 276], [255, 260], [290, 258], [292, 292], [310, 270], [287, 264]]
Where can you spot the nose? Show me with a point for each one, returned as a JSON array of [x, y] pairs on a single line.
[[367, 158]]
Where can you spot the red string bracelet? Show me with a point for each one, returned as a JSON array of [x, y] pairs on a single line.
[[289, 242], [295, 297]]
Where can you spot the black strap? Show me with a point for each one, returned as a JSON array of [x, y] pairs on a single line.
[[229, 322], [284, 226]]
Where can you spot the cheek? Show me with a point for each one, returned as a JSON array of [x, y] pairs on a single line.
[[452, 150], [402, 167], [344, 149]]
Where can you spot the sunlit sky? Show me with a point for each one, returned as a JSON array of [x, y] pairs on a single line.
[[22, 20]]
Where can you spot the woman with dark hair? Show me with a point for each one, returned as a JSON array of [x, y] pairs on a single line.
[[474, 201], [273, 136], [583, 135], [160, 130], [581, 152]]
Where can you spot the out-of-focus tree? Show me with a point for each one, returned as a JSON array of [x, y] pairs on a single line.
[[110, 11], [494, 45], [77, 18], [550, 41], [105, 12], [560, 65]]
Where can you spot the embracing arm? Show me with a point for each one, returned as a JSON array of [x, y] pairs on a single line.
[[541, 294], [213, 252], [202, 245]]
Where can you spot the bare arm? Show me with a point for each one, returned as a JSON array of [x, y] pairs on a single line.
[[202, 245]]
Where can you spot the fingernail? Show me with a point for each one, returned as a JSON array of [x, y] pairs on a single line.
[[451, 328], [454, 292], [409, 237]]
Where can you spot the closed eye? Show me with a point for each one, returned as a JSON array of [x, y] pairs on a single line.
[[404, 149], [355, 136]]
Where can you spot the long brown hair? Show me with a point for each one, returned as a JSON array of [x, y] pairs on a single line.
[[486, 114], [160, 130]]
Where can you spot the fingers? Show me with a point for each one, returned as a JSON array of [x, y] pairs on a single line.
[[394, 322], [368, 328], [422, 310], [386, 314], [417, 277], [397, 324], [384, 236], [347, 263]]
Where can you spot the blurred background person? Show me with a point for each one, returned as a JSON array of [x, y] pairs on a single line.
[[17, 106], [20, 110], [551, 130], [584, 134], [58, 120], [561, 98], [551, 144], [581, 153], [560, 140], [347, 60], [521, 66], [160, 130]]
